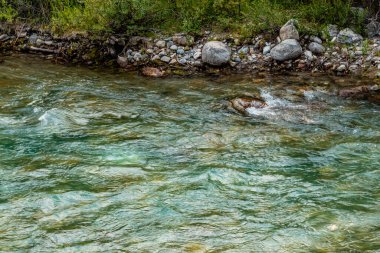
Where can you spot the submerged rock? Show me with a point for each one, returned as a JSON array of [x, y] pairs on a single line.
[[152, 72], [286, 50], [242, 104], [289, 31], [374, 98], [216, 53], [359, 92]]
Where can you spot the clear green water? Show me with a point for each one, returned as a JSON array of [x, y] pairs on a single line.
[[98, 161]]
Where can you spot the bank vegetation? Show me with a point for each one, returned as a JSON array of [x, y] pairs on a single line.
[[244, 17]]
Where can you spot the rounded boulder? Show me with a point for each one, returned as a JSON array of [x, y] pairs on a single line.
[[286, 50], [216, 53]]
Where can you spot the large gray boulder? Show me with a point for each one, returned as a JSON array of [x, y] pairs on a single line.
[[289, 31], [287, 50], [216, 53], [347, 36]]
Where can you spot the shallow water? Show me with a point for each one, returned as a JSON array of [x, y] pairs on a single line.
[[102, 161]]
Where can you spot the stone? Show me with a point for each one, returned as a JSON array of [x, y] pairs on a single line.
[[244, 50], [341, 68], [152, 72], [216, 53], [180, 51], [316, 48], [165, 59], [353, 67], [173, 61], [122, 61], [328, 65], [344, 52], [316, 39], [358, 92], [233, 64], [173, 48], [169, 44], [162, 53], [347, 36], [136, 41], [236, 59], [309, 55], [33, 38], [183, 40], [197, 55], [21, 34], [286, 50], [332, 30], [156, 58], [137, 56], [266, 49], [242, 104], [161, 44], [373, 29], [197, 64], [4, 37], [182, 61], [289, 31], [39, 42]]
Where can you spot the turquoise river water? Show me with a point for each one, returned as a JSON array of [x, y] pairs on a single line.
[[105, 161]]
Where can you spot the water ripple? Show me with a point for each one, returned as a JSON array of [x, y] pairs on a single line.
[[102, 161]]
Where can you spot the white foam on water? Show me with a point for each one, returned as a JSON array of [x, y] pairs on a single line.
[[5, 120], [57, 117], [281, 109]]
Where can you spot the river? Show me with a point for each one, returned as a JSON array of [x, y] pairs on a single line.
[[105, 161]]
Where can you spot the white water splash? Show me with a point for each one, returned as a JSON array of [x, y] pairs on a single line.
[[57, 117], [281, 109]]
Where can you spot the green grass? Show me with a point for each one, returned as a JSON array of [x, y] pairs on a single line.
[[242, 17]]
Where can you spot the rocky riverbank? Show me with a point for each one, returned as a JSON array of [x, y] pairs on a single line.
[[336, 51]]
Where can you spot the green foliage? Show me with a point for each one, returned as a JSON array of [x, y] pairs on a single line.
[[110, 15], [245, 17], [7, 13], [365, 47]]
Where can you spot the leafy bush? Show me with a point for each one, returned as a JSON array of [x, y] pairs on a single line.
[[246, 17], [7, 13]]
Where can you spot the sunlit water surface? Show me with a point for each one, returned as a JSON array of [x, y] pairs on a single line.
[[103, 161]]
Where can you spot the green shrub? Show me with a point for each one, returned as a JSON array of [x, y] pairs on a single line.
[[7, 12], [246, 17]]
